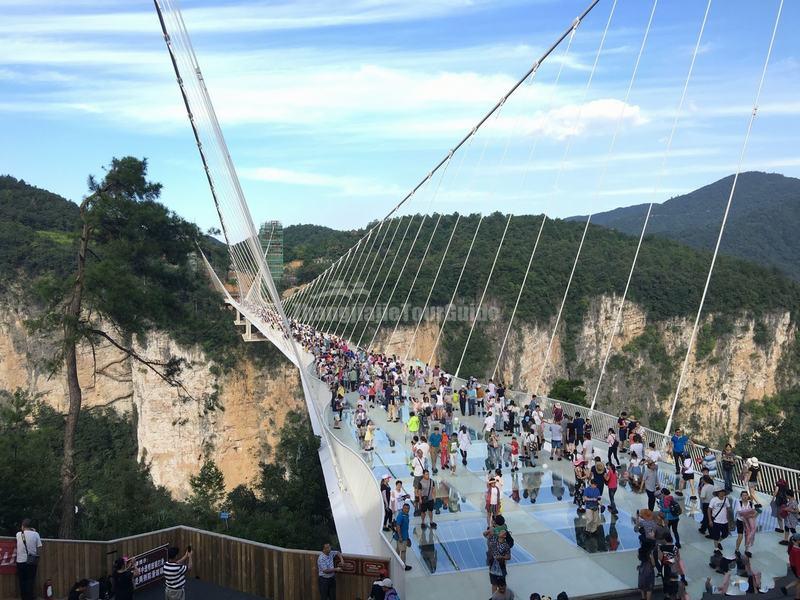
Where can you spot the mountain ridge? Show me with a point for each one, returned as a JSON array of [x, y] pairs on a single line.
[[761, 226]]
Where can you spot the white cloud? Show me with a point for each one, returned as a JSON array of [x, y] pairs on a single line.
[[243, 17], [345, 185]]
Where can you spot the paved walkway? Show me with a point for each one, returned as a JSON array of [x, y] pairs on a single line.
[[552, 550], [196, 589]]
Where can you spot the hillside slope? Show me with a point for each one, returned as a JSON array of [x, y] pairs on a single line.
[[762, 225]]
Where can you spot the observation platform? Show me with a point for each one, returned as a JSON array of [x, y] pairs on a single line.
[[552, 551]]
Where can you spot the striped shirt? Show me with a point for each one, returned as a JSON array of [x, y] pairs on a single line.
[[175, 575]]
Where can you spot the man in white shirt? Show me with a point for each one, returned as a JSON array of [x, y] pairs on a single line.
[[398, 496], [488, 422], [652, 454], [718, 517], [28, 547], [418, 465]]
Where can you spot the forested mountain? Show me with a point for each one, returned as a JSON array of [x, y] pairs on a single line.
[[140, 440], [747, 347], [762, 225]]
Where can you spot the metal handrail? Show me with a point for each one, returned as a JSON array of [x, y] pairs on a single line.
[[601, 422]]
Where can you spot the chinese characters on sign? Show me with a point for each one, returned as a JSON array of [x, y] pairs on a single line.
[[150, 565], [8, 556]]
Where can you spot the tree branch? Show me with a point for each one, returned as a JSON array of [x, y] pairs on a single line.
[[150, 364]]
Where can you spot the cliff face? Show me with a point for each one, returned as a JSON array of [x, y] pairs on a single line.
[[232, 418], [729, 366]]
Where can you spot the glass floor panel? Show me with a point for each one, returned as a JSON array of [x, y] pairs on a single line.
[[460, 555], [613, 535], [537, 487]]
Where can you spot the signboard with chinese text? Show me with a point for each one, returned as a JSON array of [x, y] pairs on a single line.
[[8, 556], [150, 565]]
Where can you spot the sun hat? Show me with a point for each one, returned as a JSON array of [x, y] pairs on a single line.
[[386, 476], [578, 461], [387, 583]]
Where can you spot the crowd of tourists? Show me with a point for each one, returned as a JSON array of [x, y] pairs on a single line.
[[425, 399]]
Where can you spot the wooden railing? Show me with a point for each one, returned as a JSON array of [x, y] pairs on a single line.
[[242, 565]]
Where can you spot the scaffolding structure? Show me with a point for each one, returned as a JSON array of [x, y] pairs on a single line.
[[270, 234]]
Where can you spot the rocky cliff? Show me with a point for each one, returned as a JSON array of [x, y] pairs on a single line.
[[233, 418], [734, 361]]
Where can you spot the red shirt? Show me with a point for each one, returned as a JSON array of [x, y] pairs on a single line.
[[514, 447], [794, 560]]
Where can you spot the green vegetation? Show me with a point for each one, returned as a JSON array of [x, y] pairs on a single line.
[[762, 225], [569, 390], [774, 429], [667, 283], [116, 495]]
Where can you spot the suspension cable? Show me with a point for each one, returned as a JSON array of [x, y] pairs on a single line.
[[656, 189], [494, 109], [725, 217], [597, 189]]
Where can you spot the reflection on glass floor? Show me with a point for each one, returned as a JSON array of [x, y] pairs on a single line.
[[537, 487], [615, 534], [444, 550]]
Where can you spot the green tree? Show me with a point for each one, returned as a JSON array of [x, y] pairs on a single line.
[[569, 390], [127, 247], [774, 428], [287, 505], [208, 493]]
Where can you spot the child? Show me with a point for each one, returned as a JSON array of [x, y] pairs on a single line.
[[514, 454], [453, 449]]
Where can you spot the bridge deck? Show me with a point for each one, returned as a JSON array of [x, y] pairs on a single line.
[[552, 550]]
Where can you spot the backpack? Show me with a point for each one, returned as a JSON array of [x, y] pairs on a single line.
[[675, 508], [509, 539]]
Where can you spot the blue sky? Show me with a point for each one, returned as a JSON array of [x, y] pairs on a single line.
[[334, 110]]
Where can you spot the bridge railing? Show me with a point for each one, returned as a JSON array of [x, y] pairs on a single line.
[[601, 422], [238, 564]]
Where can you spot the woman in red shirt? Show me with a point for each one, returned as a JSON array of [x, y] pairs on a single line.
[[794, 565], [612, 482]]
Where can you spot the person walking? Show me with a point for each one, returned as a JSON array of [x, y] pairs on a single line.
[[677, 446], [613, 446], [427, 499], [651, 483], [499, 552], [728, 462], [464, 442], [492, 500], [591, 498], [752, 469], [386, 495], [671, 511], [29, 546], [435, 442], [612, 483], [401, 537], [718, 517], [745, 516], [175, 570], [706, 494], [453, 450], [327, 569]]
